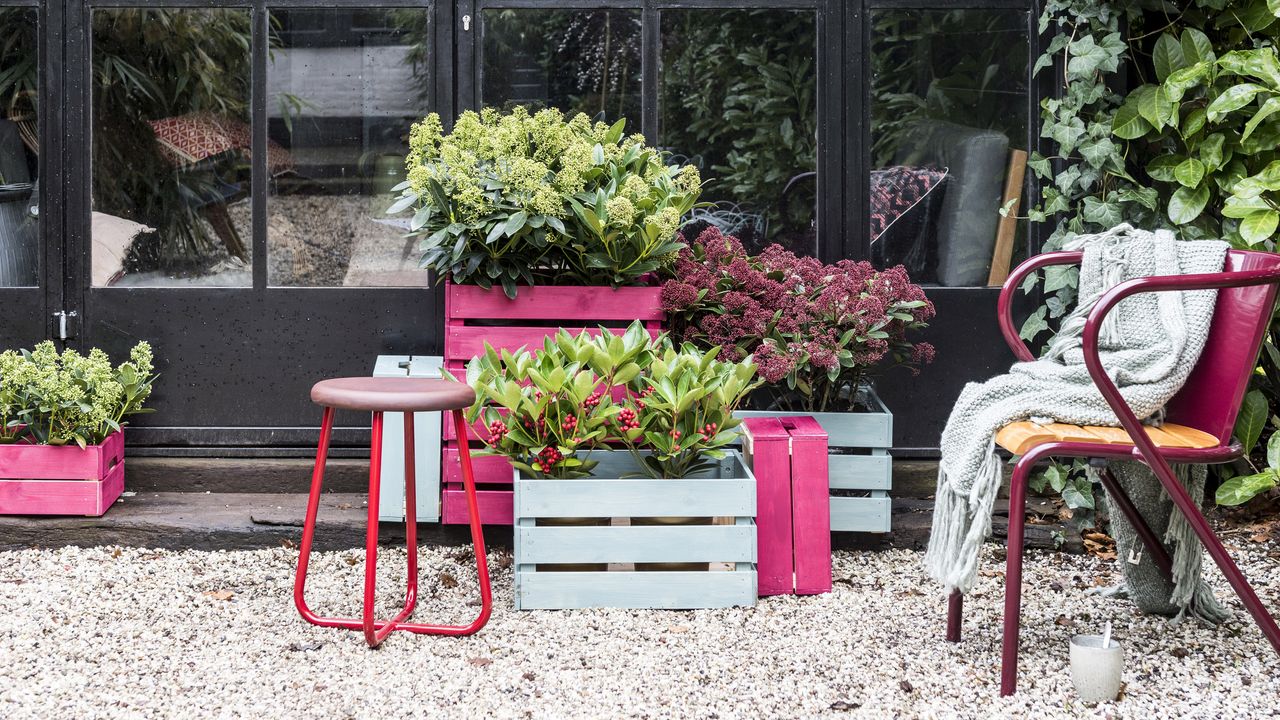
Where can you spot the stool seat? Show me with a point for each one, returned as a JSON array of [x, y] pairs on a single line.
[[392, 394]]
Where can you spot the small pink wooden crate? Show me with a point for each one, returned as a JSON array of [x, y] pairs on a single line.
[[788, 456], [61, 479], [474, 316]]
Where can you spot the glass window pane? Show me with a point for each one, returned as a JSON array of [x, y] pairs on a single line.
[[19, 149], [343, 87], [739, 100], [948, 131], [171, 147], [576, 60]]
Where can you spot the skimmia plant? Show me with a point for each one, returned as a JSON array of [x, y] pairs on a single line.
[[547, 409], [58, 399], [537, 199]]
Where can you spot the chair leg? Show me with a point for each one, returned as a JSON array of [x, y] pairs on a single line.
[[1120, 499], [309, 524], [955, 611], [1013, 575], [1182, 499]]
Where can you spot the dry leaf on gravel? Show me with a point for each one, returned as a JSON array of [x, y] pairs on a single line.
[[447, 580], [479, 661], [219, 594]]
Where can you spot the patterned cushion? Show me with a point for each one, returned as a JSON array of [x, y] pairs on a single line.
[[896, 190]]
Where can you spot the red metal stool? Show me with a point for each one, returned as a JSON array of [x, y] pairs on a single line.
[[403, 395]]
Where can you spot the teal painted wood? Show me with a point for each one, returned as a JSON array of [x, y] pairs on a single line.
[[662, 590], [870, 435], [630, 544], [727, 490], [426, 445], [861, 472], [860, 514]]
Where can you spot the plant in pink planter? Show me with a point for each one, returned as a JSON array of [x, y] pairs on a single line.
[[62, 438]]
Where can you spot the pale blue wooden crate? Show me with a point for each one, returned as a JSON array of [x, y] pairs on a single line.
[[870, 473], [426, 445], [728, 490]]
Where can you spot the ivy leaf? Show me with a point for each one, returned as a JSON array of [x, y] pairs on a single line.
[[1189, 172], [1088, 57], [1186, 204], [1034, 325], [1167, 56], [1078, 494], [1096, 152], [1252, 417], [1106, 214], [1040, 163], [1240, 490], [1144, 196], [1258, 227], [1232, 99], [1057, 277], [1056, 478]]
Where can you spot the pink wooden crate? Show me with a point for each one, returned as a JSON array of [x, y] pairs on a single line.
[[793, 507], [474, 316], [61, 479]]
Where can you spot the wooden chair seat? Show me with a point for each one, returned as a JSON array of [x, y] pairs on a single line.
[[1020, 437]]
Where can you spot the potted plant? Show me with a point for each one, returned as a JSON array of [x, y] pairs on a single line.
[[62, 420], [536, 221], [817, 333], [605, 426]]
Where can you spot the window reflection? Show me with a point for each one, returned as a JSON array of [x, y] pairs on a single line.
[[343, 87], [19, 148], [948, 139], [171, 147], [739, 99], [584, 61]]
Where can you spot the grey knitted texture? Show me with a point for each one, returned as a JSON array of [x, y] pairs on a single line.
[[1149, 346]]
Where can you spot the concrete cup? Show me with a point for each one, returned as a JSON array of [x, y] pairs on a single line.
[[1096, 671]]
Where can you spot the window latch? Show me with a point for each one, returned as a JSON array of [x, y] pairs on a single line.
[[63, 320]]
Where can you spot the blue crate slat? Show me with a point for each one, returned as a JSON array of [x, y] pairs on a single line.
[[861, 472], [623, 544], [860, 514], [661, 590]]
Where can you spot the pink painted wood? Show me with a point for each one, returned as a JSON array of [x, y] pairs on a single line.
[[767, 445], [489, 469], [25, 461], [91, 498], [810, 505], [497, 507], [470, 315], [1210, 401]]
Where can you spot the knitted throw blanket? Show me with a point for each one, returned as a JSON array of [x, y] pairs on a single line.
[[1149, 345]]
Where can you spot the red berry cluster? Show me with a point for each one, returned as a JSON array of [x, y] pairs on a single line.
[[708, 431], [644, 394], [569, 424], [627, 420], [547, 459], [497, 430], [593, 399]]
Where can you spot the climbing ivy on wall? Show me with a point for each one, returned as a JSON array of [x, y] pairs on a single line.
[[1166, 115]]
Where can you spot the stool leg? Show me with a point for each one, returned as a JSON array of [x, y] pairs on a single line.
[[410, 512], [371, 535], [309, 525], [477, 538]]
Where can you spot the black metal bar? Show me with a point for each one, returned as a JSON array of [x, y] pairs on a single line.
[[259, 177], [650, 55]]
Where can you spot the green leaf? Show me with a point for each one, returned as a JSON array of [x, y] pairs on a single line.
[[1189, 172], [1154, 105], [1078, 494], [1162, 168], [1196, 47], [1128, 124], [1056, 478], [1034, 325], [1240, 490], [1258, 227], [1273, 451], [1252, 418], [1186, 204], [1268, 108], [1232, 99], [1167, 56]]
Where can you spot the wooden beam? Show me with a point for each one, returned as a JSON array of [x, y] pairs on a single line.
[[1002, 255]]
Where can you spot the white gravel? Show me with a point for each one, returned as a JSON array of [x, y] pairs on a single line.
[[88, 633]]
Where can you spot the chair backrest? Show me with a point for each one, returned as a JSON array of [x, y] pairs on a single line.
[[1211, 397]]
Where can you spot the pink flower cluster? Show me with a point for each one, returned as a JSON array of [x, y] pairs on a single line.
[[802, 320]]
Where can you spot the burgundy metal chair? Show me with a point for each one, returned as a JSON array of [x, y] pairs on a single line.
[[403, 395], [1200, 421]]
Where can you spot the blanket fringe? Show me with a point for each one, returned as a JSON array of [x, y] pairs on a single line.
[[1190, 593], [961, 524]]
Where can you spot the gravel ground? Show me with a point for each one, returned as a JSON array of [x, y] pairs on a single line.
[[101, 632]]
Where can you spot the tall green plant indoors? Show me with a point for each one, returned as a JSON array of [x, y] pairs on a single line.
[[1166, 116]]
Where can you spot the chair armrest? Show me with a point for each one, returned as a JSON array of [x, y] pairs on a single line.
[[1004, 308], [1162, 283]]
